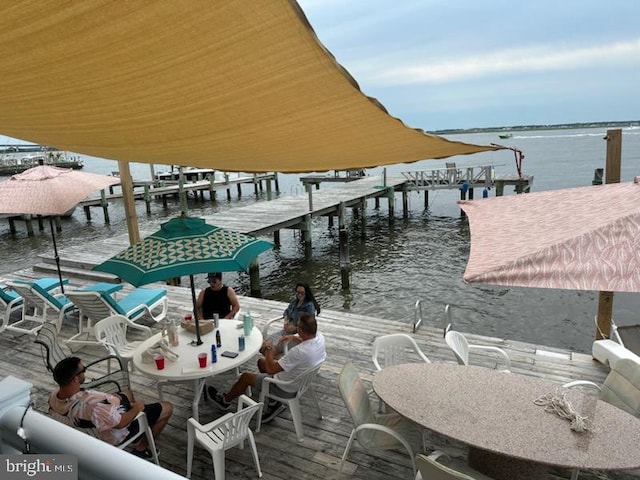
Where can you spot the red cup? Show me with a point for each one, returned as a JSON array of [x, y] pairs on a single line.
[[202, 359], [188, 317], [159, 362]]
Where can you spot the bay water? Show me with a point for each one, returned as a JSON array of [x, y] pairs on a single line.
[[420, 257]]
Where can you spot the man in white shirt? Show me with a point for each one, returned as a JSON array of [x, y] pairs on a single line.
[[309, 353]]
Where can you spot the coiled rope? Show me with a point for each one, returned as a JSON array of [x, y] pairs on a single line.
[[557, 402]]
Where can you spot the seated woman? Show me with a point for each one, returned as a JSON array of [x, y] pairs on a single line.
[[304, 301]]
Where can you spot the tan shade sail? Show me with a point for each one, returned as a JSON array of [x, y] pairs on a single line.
[[228, 84]]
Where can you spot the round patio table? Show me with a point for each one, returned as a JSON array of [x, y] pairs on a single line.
[[508, 435], [186, 367]]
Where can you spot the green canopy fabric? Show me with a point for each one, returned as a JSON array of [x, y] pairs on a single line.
[[184, 246]]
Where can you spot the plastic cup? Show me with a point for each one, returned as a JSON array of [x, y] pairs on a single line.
[[202, 359], [188, 317], [159, 362]]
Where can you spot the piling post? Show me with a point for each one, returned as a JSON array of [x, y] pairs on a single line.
[[345, 264], [105, 206], [56, 220], [254, 278], [426, 199], [612, 175], [255, 184], [147, 199], [377, 203], [12, 225], [499, 188], [306, 235], [29, 225], [310, 194], [40, 223], [363, 219], [239, 191], [87, 212], [405, 201], [391, 198], [277, 182], [276, 238]]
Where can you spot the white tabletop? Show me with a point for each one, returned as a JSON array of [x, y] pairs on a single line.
[[495, 411], [186, 367]]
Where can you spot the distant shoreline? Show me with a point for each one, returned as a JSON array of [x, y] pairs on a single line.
[[560, 126]]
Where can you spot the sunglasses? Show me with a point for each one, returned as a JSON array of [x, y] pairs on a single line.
[[300, 292], [84, 369]]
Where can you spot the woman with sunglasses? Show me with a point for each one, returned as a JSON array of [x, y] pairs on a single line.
[[304, 301]]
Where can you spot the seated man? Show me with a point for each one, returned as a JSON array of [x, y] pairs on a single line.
[[112, 415], [217, 298], [309, 352]]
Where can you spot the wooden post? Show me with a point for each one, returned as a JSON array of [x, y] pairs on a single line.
[[40, 223], [405, 201], [29, 225], [277, 182], [255, 185], [147, 199], [254, 278], [276, 238], [306, 236], [58, 223], [105, 206], [87, 212], [182, 194], [239, 189], [310, 194], [345, 264], [377, 203], [363, 219], [128, 202], [499, 188], [12, 225], [612, 175], [391, 199]]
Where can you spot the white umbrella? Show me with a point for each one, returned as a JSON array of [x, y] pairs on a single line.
[[45, 190]]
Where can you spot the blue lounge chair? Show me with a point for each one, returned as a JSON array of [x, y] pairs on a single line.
[[43, 297], [96, 304], [10, 301]]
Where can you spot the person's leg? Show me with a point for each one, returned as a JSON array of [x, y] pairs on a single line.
[[165, 415], [246, 380]]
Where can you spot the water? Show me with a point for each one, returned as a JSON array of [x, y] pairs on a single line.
[[420, 257]]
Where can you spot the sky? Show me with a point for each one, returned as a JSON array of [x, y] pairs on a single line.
[[444, 64]]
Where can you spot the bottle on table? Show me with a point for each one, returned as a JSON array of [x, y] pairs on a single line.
[[214, 355], [218, 339]]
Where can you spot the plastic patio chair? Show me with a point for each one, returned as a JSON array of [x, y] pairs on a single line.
[[42, 297], [222, 434], [458, 343], [431, 468], [112, 333], [114, 381], [374, 431], [96, 305], [621, 389], [395, 349], [305, 381], [10, 302], [144, 429]]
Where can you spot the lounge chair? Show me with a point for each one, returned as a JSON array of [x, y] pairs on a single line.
[[623, 343], [10, 302], [40, 295], [99, 304]]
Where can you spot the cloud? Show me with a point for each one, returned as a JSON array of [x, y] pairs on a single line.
[[510, 61]]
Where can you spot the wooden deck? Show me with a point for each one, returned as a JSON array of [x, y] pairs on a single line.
[[349, 339]]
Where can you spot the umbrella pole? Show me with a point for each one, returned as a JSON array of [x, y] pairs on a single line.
[[55, 253], [195, 313]]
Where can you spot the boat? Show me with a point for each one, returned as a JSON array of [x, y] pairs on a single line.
[[192, 174], [18, 158], [505, 135]]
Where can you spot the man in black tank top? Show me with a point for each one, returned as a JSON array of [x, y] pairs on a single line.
[[217, 298]]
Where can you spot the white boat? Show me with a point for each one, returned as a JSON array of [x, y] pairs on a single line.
[[18, 158]]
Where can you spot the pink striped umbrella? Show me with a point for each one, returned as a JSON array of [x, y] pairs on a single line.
[[585, 238]]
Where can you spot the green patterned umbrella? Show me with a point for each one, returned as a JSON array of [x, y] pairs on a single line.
[[185, 246]]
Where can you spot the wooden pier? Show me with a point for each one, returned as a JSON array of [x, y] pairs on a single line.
[[349, 338]]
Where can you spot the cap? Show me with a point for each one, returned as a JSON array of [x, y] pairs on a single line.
[[214, 276]]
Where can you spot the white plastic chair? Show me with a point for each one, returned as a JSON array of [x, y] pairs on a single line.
[[395, 349], [222, 434], [112, 333], [621, 389], [374, 431], [305, 381], [431, 468], [44, 302], [144, 429], [458, 343]]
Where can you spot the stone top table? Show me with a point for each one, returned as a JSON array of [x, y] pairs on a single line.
[[495, 414]]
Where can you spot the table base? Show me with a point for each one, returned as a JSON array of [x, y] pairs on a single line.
[[502, 467]]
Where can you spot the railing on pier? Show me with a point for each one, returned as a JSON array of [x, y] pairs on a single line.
[[451, 177]]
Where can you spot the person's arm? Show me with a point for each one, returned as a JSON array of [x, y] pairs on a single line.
[[235, 304], [199, 304], [127, 417], [271, 365], [289, 338]]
